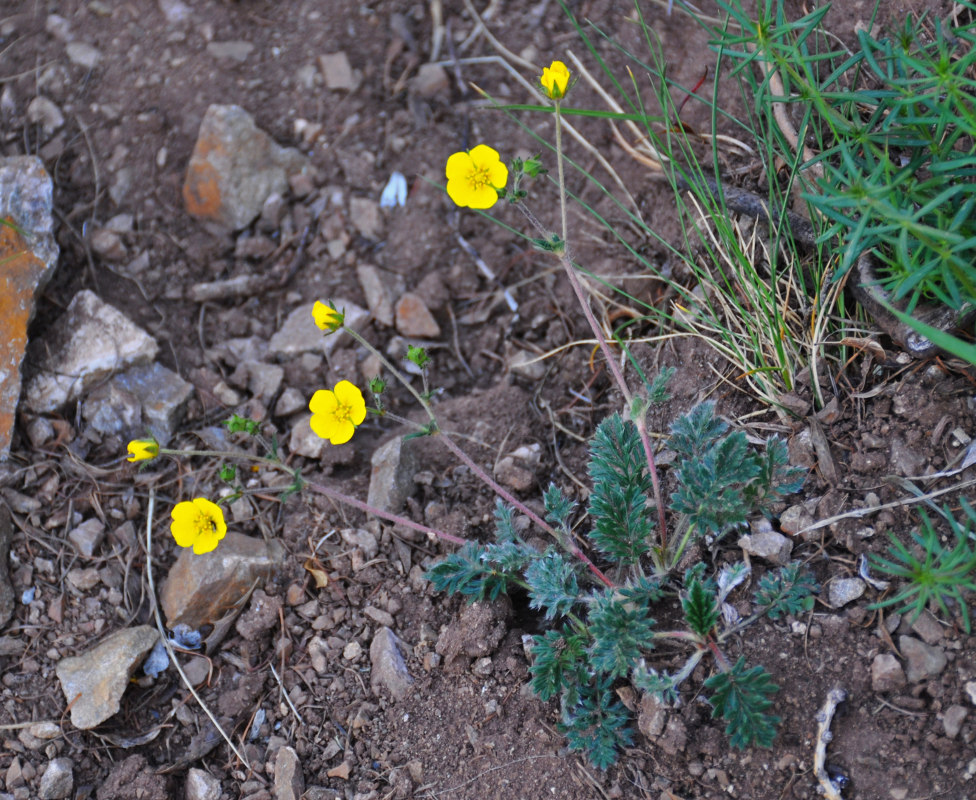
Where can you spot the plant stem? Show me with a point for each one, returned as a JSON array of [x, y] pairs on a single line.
[[618, 376], [507, 496], [395, 518]]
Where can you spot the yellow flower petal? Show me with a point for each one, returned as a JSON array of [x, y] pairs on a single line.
[[348, 395], [143, 449], [473, 178], [326, 317], [336, 413], [199, 524], [554, 80]]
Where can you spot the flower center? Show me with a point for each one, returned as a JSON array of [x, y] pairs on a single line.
[[205, 525], [343, 413], [479, 177]]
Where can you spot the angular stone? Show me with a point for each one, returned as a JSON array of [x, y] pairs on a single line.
[[93, 683], [365, 215], [304, 441], [202, 589], [414, 319], [886, 673], [429, 80], [91, 341], [113, 411], [337, 71], [844, 590], [922, 661], [953, 719], [201, 785], [289, 782], [299, 334], [389, 671], [928, 628], [769, 545], [163, 395], [87, 536], [234, 168], [377, 294], [83, 54], [28, 257], [391, 479], [57, 781]]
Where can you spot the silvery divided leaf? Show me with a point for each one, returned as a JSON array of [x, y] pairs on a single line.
[[730, 577], [862, 570], [395, 192]]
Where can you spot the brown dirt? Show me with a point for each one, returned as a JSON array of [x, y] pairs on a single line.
[[468, 729]]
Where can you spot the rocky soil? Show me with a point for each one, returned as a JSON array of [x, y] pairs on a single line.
[[186, 180]]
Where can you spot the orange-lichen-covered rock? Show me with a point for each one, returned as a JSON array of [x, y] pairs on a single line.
[[235, 168], [28, 256]]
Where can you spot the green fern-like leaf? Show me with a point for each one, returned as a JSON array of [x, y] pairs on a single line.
[[505, 523], [776, 477], [620, 633], [741, 697], [559, 664], [621, 486], [693, 434], [710, 487], [553, 584], [597, 724], [701, 611], [788, 590], [558, 508], [481, 571], [460, 572]]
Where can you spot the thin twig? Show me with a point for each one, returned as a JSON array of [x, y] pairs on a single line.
[[162, 631]]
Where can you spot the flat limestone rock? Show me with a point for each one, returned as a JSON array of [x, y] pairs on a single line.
[[93, 683], [28, 257], [90, 342], [235, 168]]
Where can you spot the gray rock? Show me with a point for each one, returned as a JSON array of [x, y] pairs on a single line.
[[953, 719], [201, 589], [886, 673], [842, 591], [28, 257], [375, 288], [57, 781], [905, 460], [365, 215], [113, 411], [304, 441], [391, 479], [163, 394], [337, 71], [91, 341], [795, 518], [88, 536], [291, 400], [82, 54], [93, 683], [970, 688], [201, 785], [527, 365], [429, 80], [928, 628], [238, 51], [264, 380], [922, 661], [234, 168], [769, 545], [362, 539], [289, 782], [389, 671], [414, 319], [299, 334], [44, 112], [6, 587]]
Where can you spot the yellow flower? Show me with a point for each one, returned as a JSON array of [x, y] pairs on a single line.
[[143, 449], [554, 80], [199, 524], [474, 177], [336, 414], [326, 317]]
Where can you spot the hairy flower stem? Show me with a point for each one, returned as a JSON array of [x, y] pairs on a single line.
[[395, 518], [465, 459], [615, 370], [320, 488], [507, 496]]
